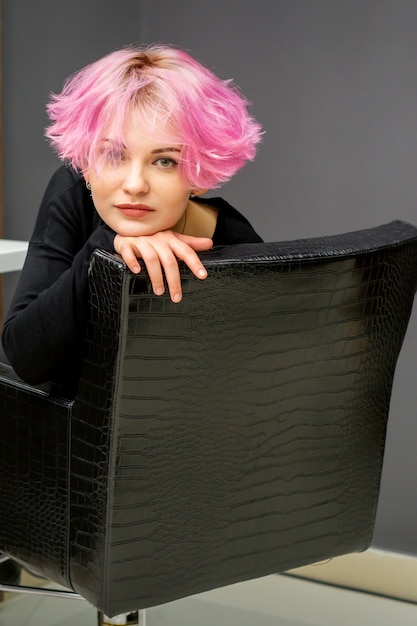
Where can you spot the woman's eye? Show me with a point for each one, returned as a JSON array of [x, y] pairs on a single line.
[[166, 162]]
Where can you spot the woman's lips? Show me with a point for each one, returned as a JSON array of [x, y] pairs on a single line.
[[134, 210]]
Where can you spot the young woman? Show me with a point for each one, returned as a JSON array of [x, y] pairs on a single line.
[[143, 133]]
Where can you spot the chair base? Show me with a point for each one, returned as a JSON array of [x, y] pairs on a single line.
[[40, 591], [125, 619]]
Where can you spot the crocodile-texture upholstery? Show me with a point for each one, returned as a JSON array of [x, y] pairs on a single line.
[[236, 434]]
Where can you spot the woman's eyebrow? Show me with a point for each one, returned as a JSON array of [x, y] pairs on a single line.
[[170, 149]]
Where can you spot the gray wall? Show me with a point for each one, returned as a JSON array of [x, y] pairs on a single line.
[[334, 85]]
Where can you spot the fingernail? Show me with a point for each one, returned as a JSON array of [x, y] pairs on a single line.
[[159, 291], [176, 297], [202, 273]]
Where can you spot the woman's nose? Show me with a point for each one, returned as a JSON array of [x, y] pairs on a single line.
[[135, 181]]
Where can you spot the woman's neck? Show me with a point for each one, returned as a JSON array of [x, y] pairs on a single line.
[[199, 220]]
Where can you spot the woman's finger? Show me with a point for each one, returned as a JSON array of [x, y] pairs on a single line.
[[197, 243], [128, 253], [169, 248], [183, 251], [169, 263], [151, 259]]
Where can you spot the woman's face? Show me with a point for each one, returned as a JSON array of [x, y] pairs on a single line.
[[137, 188]]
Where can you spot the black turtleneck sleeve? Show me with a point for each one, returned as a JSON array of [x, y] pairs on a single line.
[[41, 333]]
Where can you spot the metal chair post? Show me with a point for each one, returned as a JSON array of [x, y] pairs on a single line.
[[124, 619]]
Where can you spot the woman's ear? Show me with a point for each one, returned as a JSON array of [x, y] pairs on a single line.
[[87, 182], [197, 192]]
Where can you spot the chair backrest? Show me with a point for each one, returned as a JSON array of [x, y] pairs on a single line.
[[238, 433]]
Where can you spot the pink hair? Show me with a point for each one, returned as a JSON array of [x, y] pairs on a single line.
[[208, 116]]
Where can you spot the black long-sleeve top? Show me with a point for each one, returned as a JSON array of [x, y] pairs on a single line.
[[45, 321]]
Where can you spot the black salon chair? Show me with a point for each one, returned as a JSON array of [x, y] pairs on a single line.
[[237, 434]]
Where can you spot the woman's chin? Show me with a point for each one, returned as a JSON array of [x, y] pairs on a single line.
[[140, 231], [132, 231]]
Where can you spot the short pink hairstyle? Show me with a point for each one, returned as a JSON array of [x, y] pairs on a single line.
[[163, 85]]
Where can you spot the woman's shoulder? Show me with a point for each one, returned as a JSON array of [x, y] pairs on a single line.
[[66, 206], [64, 181]]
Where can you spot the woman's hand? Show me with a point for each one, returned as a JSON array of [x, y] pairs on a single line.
[[160, 253]]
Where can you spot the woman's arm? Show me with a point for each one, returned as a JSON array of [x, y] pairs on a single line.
[[41, 334]]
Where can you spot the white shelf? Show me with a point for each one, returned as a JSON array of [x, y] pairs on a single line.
[[12, 255]]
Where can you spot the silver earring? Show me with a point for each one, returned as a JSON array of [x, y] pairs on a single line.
[[87, 184], [193, 195]]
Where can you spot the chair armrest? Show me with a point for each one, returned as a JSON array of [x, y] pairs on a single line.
[[34, 442], [9, 377]]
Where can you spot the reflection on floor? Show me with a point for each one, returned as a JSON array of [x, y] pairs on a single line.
[[272, 601]]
